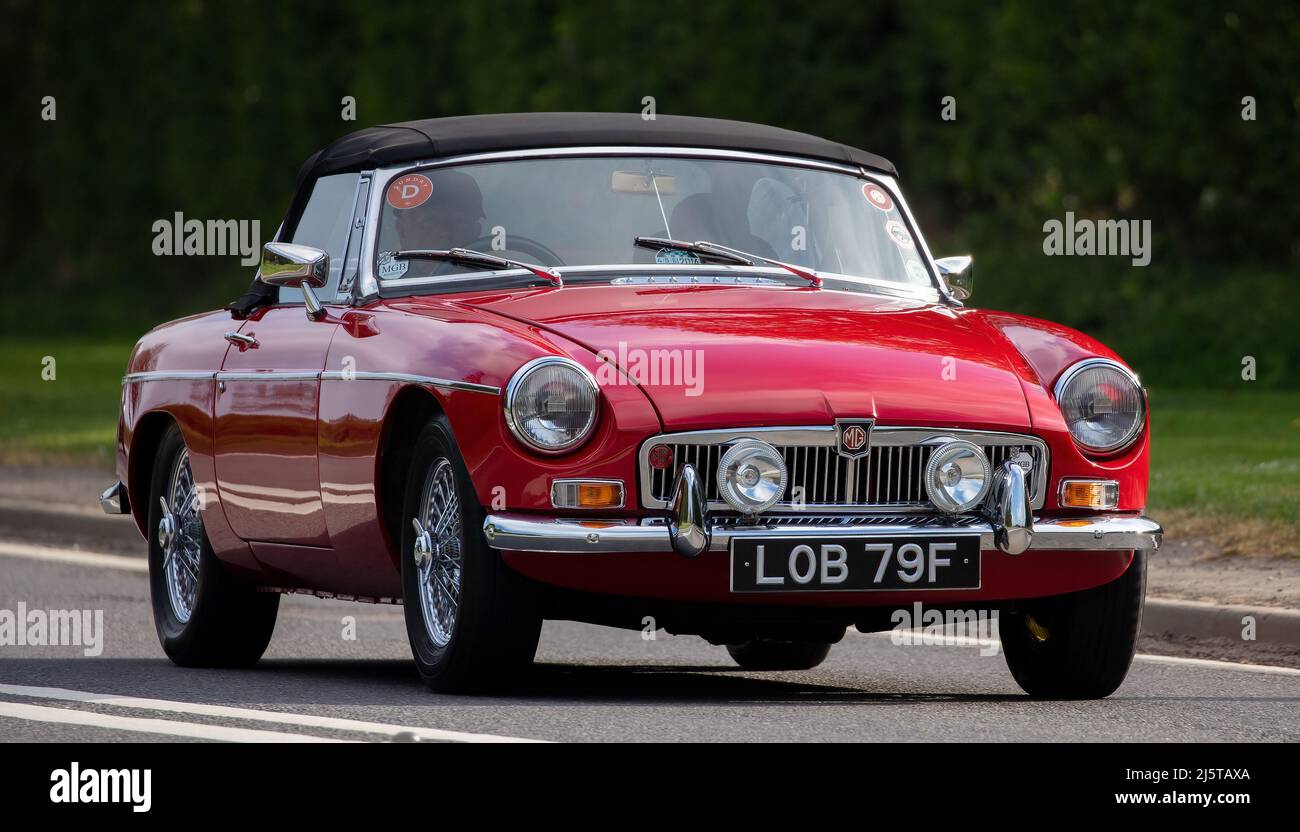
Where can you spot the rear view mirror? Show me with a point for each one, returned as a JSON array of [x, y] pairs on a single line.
[[958, 274], [289, 264], [633, 182]]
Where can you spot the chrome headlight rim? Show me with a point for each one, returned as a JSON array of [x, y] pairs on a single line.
[[512, 389], [726, 487], [938, 496], [1130, 436]]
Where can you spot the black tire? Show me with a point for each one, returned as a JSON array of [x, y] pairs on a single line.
[[1077, 646], [493, 637], [229, 623], [766, 654]]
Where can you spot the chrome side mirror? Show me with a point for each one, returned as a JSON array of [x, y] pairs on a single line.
[[958, 274], [289, 264]]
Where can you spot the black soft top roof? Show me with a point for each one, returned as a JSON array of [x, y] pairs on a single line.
[[434, 138]]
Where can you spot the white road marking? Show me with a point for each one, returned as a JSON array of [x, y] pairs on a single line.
[[56, 554], [168, 727], [917, 637], [252, 714], [1212, 664]]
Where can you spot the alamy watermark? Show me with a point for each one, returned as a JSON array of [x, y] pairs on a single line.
[[1101, 238], [920, 626], [652, 368], [75, 784], [23, 627], [211, 238]]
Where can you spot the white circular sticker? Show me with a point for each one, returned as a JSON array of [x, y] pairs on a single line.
[[898, 233]]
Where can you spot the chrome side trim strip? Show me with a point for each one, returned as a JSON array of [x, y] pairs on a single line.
[[268, 375], [339, 375], [824, 436], [170, 375], [530, 533], [281, 375]]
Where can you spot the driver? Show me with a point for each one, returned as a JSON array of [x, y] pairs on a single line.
[[451, 217]]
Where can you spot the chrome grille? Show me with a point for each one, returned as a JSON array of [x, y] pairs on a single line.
[[889, 477]]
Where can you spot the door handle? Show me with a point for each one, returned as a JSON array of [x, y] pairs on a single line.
[[244, 342]]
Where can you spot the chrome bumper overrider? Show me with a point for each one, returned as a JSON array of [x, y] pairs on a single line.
[[114, 500], [1005, 524]]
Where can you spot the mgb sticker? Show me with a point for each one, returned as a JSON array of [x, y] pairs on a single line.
[[898, 233], [876, 196], [391, 267], [410, 191]]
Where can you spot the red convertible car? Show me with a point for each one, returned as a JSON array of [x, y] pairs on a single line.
[[673, 373]]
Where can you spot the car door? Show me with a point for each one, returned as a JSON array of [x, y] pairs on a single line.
[[268, 392]]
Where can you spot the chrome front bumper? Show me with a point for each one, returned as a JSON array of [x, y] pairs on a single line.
[[1005, 522], [530, 533]]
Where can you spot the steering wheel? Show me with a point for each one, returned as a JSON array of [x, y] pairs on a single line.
[[516, 242]]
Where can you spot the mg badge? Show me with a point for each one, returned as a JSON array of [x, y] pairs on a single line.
[[853, 437]]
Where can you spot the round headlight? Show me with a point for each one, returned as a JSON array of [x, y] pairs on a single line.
[[1102, 403], [751, 476], [551, 404], [957, 476]]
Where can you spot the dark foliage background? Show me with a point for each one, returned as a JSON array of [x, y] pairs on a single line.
[[1110, 109]]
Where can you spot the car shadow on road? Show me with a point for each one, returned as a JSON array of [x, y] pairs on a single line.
[[384, 682]]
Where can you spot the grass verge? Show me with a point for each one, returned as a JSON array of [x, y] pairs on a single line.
[[59, 400]]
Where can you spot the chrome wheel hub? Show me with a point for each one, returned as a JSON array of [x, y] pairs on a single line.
[[166, 529], [180, 536], [437, 552]]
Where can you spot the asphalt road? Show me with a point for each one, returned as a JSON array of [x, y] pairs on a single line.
[[590, 683]]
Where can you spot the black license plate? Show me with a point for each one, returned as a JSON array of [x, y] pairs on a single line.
[[820, 564]]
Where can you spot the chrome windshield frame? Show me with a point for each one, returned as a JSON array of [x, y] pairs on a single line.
[[369, 284]]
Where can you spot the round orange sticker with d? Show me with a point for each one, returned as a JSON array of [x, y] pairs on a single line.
[[876, 196], [409, 191]]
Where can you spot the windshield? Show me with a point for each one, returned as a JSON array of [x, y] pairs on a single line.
[[589, 211]]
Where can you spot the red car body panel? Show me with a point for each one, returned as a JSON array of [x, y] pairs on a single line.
[[295, 464], [817, 355], [667, 577]]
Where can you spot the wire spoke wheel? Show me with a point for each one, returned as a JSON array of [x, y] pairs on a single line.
[[180, 534], [438, 552]]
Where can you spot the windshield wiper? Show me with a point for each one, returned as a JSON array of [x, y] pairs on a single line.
[[729, 255], [470, 257]]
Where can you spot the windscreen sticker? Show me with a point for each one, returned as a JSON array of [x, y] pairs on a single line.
[[898, 233], [390, 267], [676, 257], [876, 196], [410, 191]]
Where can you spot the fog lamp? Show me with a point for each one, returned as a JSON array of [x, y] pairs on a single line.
[[751, 476], [957, 476]]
